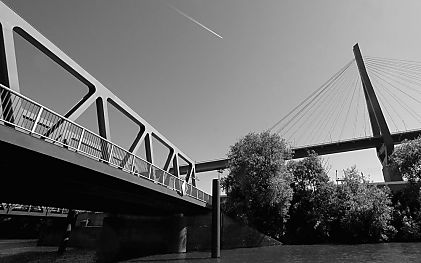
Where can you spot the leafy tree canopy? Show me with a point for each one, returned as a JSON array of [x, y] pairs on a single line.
[[258, 184], [308, 172], [309, 218], [365, 211], [407, 159]]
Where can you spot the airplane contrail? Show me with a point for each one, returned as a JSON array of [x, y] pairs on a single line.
[[194, 20]]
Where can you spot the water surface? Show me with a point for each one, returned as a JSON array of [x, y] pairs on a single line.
[[386, 252]]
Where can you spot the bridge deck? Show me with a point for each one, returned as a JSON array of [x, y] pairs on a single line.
[[40, 173], [322, 149]]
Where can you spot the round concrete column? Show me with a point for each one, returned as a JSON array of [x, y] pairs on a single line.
[[177, 241]]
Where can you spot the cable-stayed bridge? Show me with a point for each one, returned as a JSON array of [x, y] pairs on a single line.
[[369, 103]]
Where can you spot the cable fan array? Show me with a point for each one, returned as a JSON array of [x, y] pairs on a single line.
[[337, 110], [398, 85]]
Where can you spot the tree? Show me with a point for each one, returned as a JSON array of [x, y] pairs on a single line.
[[407, 213], [364, 211], [309, 172], [258, 184], [407, 159], [307, 222]]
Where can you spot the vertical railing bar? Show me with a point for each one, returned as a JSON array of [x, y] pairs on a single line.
[[9, 107], [65, 131], [80, 140], [133, 163], [92, 141], [100, 147], [28, 117], [15, 106], [174, 184], [88, 141], [70, 133], [17, 119], [4, 107], [151, 172], [76, 129], [59, 131], [111, 153], [35, 113], [37, 119]]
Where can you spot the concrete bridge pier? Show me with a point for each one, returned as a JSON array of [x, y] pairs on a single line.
[[390, 174], [124, 236]]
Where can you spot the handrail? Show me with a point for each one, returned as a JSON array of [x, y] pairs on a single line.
[[107, 151]]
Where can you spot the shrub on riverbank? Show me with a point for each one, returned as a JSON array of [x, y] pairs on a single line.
[[353, 211], [407, 213], [406, 160], [365, 211]]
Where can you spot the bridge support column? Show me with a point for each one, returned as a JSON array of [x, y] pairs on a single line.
[[390, 174], [70, 224], [216, 219], [377, 120], [124, 236]]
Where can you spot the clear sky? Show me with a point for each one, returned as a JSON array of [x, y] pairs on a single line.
[[204, 92]]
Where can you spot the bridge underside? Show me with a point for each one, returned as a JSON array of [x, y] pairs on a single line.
[[40, 173]]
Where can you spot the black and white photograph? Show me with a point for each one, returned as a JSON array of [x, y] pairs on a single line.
[[201, 131]]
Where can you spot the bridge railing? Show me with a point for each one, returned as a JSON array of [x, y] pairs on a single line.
[[31, 117], [31, 210]]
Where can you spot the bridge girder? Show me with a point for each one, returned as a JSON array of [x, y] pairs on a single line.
[[321, 149]]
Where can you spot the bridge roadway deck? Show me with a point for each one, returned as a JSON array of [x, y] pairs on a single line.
[[40, 173], [321, 149]]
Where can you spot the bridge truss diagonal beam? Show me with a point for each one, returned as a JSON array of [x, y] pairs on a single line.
[[12, 23]]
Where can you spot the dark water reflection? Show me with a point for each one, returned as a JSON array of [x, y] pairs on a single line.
[[388, 252]]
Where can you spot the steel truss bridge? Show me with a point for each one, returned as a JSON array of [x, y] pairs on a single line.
[[67, 165]]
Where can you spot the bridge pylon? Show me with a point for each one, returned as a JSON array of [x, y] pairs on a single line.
[[377, 120]]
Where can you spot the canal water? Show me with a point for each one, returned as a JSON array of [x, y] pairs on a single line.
[[386, 252]]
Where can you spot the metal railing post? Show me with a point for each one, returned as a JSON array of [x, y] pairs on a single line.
[[37, 119], [111, 153], [132, 167], [149, 171], [80, 140]]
